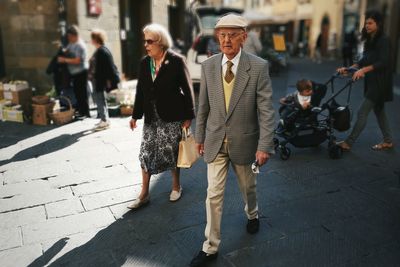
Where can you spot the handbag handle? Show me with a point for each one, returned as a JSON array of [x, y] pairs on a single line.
[[185, 133]]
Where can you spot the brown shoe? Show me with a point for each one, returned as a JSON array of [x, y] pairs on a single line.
[[345, 146], [382, 146]]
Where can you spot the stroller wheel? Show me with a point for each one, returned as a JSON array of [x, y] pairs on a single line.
[[284, 152], [335, 152]]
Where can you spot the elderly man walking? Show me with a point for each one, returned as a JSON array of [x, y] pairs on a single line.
[[234, 126]]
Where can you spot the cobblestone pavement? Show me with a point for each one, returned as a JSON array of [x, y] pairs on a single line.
[[64, 192]]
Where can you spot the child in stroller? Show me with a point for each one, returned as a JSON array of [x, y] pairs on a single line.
[[296, 107]]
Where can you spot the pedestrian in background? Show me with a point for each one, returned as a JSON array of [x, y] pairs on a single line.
[[349, 44], [318, 49], [253, 44], [103, 76], [77, 67], [164, 95], [234, 125], [374, 66]]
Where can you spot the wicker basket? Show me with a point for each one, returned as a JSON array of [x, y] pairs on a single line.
[[63, 117]]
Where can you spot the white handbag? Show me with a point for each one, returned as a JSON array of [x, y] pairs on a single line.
[[188, 153]]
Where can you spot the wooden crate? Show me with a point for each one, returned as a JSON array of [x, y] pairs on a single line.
[[40, 113]]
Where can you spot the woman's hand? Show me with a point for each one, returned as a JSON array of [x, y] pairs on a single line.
[[342, 70], [132, 124], [358, 74], [186, 124]]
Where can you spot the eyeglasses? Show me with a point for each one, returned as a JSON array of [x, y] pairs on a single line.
[[149, 42], [230, 35]]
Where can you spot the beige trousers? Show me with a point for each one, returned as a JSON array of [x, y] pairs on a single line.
[[217, 173]]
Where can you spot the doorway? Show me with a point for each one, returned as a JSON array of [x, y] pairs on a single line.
[[134, 15], [2, 66]]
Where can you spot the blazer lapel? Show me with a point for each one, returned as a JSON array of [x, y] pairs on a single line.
[[241, 79], [219, 87], [163, 66]]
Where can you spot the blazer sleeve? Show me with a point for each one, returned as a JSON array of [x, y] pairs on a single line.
[[185, 83], [265, 111], [203, 110], [138, 107]]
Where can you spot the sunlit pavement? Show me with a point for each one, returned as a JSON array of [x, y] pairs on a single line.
[[64, 192]]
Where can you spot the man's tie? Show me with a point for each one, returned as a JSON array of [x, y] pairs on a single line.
[[229, 74]]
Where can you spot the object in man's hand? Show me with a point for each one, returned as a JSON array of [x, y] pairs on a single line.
[[255, 167]]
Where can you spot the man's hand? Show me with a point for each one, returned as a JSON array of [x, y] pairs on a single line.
[[132, 124], [200, 148], [61, 59], [262, 157]]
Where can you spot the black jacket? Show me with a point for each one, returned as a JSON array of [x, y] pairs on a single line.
[[378, 84], [171, 91], [105, 70]]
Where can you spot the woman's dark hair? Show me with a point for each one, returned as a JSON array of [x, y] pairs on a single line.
[[378, 18]]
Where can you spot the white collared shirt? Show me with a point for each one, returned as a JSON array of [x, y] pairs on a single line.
[[303, 99], [235, 62]]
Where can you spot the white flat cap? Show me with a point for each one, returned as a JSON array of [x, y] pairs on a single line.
[[231, 21]]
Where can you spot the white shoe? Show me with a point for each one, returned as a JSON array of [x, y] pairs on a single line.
[[175, 195], [139, 203], [102, 125], [97, 124]]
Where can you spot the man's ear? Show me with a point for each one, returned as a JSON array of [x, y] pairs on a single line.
[[244, 36]]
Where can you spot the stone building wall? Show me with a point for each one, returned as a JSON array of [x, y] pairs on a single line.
[[108, 21], [29, 28]]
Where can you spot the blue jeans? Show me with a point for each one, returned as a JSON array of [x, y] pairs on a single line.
[[102, 109]]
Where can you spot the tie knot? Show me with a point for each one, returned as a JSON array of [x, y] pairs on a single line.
[[229, 64]]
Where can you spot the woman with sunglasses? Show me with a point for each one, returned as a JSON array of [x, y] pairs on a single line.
[[164, 96], [374, 66]]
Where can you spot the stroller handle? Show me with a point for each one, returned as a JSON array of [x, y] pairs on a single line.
[[337, 74]]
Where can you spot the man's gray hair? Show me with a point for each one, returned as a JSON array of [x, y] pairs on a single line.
[[163, 37]]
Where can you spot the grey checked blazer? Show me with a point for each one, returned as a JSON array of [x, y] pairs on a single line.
[[249, 122]]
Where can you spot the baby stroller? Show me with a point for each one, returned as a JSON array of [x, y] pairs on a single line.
[[314, 127]]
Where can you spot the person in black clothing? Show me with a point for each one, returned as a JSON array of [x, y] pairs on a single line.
[[103, 75], [349, 44], [374, 66], [164, 96]]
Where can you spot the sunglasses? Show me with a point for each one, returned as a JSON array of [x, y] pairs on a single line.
[[149, 42]]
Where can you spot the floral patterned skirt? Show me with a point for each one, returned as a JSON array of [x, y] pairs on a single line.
[[160, 145]]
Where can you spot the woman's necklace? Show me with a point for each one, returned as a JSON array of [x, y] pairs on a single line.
[[156, 68]]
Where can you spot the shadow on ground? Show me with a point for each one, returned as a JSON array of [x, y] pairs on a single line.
[[46, 147]]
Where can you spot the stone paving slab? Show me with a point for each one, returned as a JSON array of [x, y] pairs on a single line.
[[21, 256], [57, 248], [87, 176], [60, 227], [312, 248], [387, 256], [34, 198], [64, 208], [10, 238], [117, 180], [36, 172], [111, 197], [22, 217]]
